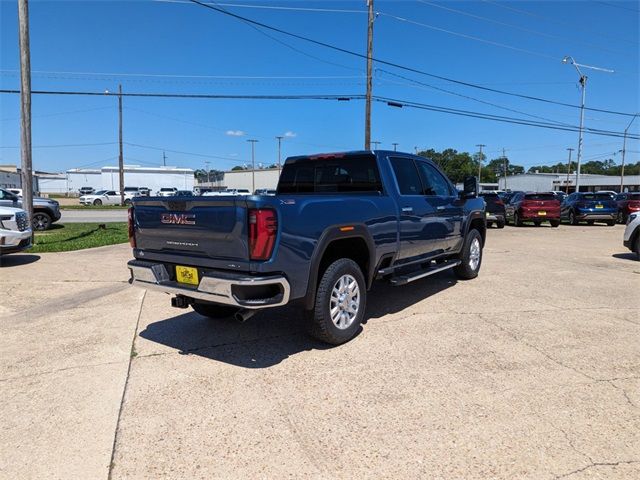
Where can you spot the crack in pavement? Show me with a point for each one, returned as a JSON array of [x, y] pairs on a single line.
[[124, 390], [596, 464], [63, 369]]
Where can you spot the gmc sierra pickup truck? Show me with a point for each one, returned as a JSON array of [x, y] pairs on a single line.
[[337, 223]]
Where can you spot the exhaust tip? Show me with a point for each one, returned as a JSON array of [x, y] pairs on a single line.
[[243, 315]]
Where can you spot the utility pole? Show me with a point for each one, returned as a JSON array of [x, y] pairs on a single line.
[[253, 164], [568, 170], [504, 166], [480, 145], [395, 146], [624, 150], [26, 170], [416, 149], [279, 138], [164, 159], [120, 157], [206, 166], [367, 114]]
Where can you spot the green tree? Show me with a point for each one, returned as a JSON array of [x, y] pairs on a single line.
[[237, 167]]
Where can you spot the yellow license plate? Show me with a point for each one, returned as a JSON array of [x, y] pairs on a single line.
[[542, 214], [599, 206], [187, 275]]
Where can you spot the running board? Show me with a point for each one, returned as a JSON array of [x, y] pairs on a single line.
[[396, 281]]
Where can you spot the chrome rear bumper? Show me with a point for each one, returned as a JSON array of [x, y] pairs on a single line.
[[216, 287]]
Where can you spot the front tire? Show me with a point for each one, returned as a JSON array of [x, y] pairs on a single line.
[[41, 221], [97, 202], [621, 217], [516, 220], [573, 220], [471, 256], [213, 310], [555, 223], [340, 303]]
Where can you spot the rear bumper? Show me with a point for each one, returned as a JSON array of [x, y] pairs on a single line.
[[218, 287], [582, 215], [495, 217]]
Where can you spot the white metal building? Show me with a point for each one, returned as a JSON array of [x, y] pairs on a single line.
[[546, 182], [267, 178], [83, 177], [153, 178]]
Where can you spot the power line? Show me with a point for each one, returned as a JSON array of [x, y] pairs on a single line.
[[510, 25], [396, 65], [69, 145], [151, 147], [272, 7]]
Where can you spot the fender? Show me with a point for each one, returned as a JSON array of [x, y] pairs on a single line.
[[475, 214], [329, 235]]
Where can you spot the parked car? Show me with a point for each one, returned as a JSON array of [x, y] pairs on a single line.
[[632, 234], [533, 207], [45, 210], [560, 196], [589, 207], [495, 209], [627, 204], [144, 191], [506, 196], [166, 192], [15, 233], [184, 193], [107, 197], [132, 191], [86, 191], [338, 222], [16, 191], [611, 193]]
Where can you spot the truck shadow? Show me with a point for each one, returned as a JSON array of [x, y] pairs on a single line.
[[272, 336], [16, 260]]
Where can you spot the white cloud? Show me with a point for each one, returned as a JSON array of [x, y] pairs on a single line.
[[236, 133], [290, 134]]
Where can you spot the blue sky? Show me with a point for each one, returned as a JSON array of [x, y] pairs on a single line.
[[151, 46]]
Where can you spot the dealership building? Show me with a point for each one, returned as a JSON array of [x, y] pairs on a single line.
[[546, 182]]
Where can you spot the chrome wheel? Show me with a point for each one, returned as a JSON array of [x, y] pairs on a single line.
[[474, 254], [345, 302]]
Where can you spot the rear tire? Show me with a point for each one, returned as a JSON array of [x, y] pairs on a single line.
[[339, 303], [537, 224], [611, 223], [621, 217], [41, 221], [214, 311], [516, 220], [471, 256], [555, 223], [590, 222], [500, 223], [573, 220]]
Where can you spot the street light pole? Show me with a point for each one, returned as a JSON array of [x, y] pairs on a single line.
[[375, 145], [583, 84], [624, 150], [253, 164], [279, 138], [568, 170], [480, 145], [395, 146]]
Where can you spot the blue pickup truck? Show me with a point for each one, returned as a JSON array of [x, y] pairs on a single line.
[[337, 223]]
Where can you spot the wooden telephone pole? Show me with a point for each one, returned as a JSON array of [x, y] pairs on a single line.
[[367, 113], [120, 156], [26, 170]]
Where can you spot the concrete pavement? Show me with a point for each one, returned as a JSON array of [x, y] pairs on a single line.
[[530, 371]]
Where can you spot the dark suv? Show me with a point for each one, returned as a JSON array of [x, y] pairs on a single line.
[[533, 207], [45, 210], [589, 207], [495, 209], [628, 203]]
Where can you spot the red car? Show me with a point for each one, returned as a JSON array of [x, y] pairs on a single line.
[[628, 203], [533, 207]]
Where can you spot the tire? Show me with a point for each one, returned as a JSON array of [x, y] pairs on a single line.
[[621, 217], [500, 223], [336, 287], [41, 221], [489, 224], [127, 202], [572, 218], [471, 256], [611, 223], [554, 223], [213, 310], [97, 202], [590, 222], [637, 247], [537, 224], [516, 220]]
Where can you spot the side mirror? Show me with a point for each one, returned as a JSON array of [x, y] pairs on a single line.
[[471, 187]]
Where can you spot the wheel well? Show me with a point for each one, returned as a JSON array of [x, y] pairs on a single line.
[[479, 224], [354, 248]]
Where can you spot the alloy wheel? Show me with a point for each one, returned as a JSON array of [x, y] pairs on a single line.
[[345, 302]]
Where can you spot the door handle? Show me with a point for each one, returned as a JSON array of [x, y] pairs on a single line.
[[407, 209]]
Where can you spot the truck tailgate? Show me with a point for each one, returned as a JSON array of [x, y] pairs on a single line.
[[206, 227]]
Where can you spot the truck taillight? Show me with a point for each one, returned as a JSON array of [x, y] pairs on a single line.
[[131, 229], [263, 227]]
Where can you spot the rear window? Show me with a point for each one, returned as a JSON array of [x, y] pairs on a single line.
[[596, 196], [353, 173], [540, 196]]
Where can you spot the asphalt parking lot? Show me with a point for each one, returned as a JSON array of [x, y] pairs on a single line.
[[530, 371]]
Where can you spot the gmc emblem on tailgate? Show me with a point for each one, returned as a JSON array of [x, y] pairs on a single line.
[[178, 218]]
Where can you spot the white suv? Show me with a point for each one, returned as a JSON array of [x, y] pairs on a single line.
[[167, 192], [632, 233], [15, 233]]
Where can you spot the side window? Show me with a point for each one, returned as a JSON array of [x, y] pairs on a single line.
[[110, 192], [434, 183], [407, 176]]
